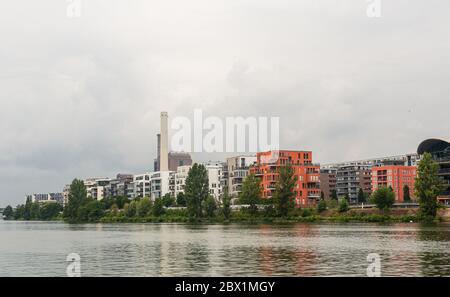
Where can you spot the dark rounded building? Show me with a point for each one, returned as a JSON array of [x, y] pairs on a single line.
[[440, 151]]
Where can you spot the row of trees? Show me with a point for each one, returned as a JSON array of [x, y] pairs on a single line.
[[44, 211]]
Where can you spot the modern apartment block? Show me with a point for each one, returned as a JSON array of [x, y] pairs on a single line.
[[349, 179], [328, 182], [95, 187], [180, 179], [215, 177], [120, 186], [355, 175], [395, 177], [161, 183], [440, 151], [237, 169], [307, 189], [48, 197], [142, 185]]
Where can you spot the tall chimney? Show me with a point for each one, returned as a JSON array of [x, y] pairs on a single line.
[[164, 153]]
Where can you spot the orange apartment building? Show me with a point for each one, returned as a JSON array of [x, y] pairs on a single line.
[[396, 177], [308, 186]]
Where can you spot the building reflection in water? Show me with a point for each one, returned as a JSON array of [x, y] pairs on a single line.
[[290, 259], [435, 257]]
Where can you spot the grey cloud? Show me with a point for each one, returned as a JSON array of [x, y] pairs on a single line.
[[81, 97]]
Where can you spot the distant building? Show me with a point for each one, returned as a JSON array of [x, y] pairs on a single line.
[[440, 151], [215, 177], [395, 177], [177, 159], [120, 186], [328, 182], [95, 187], [180, 179], [161, 184], [352, 176], [66, 191], [141, 185], [237, 169], [350, 179], [48, 197], [307, 188]]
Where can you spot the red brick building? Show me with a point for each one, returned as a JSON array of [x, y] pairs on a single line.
[[307, 190], [396, 177]]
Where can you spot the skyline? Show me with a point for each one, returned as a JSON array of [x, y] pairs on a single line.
[[85, 101]]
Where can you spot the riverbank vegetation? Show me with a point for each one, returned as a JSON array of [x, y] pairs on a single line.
[[198, 206]]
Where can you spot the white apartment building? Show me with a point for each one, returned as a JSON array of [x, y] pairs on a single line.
[[141, 185], [215, 176], [95, 187], [47, 197], [180, 179], [238, 169], [161, 184]]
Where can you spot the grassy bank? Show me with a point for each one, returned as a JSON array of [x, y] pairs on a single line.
[[297, 216]]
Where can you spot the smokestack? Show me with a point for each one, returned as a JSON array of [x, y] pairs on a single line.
[[164, 146]]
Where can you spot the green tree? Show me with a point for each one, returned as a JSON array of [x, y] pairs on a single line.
[[114, 209], [90, 211], [321, 206], [181, 199], [50, 211], [77, 196], [251, 192], [322, 195], [8, 212], [361, 196], [158, 207], [343, 205], [27, 210], [19, 213], [428, 186], [35, 211], [334, 195], [168, 200], [383, 198], [406, 194], [196, 190], [129, 209], [284, 190], [143, 207], [210, 206], [226, 202]]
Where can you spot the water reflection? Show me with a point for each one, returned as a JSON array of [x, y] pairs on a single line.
[[40, 249]]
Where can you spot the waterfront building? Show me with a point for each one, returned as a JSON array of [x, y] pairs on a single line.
[[351, 176], [215, 177], [307, 188], [396, 177], [141, 185], [328, 182], [161, 184], [120, 186], [237, 169], [180, 179], [47, 197], [440, 151], [95, 187]]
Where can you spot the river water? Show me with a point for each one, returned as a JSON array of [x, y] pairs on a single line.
[[313, 249]]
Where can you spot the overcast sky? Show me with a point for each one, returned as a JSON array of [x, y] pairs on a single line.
[[81, 97]]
